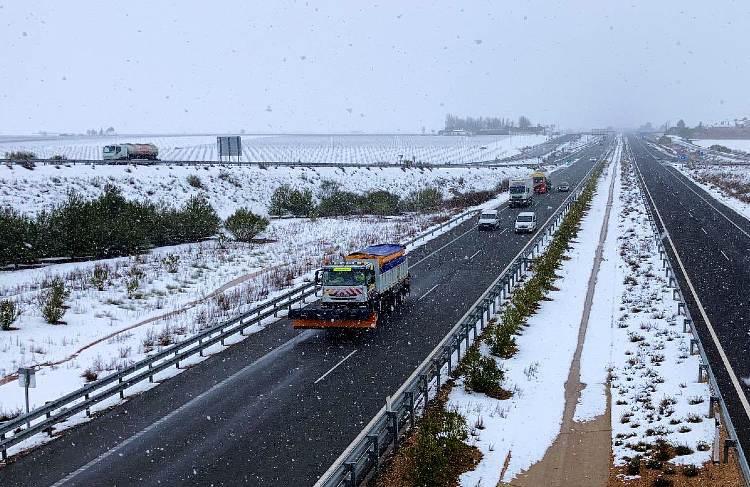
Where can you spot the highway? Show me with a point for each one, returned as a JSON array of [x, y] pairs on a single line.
[[713, 245], [278, 408]]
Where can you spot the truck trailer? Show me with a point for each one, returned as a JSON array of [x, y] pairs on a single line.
[[129, 152], [521, 192], [354, 292]]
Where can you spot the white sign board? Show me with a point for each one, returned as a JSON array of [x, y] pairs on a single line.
[[26, 377]]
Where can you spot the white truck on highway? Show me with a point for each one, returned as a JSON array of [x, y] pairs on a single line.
[[521, 192]]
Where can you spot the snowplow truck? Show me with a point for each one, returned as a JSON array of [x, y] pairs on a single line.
[[355, 292], [541, 182]]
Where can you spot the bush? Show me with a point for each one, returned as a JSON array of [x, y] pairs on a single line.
[[482, 373], [17, 242], [286, 200], [244, 225], [171, 263], [195, 181], [198, 220], [424, 200], [502, 340], [438, 442], [58, 157], [8, 314], [52, 301], [381, 203], [100, 276]]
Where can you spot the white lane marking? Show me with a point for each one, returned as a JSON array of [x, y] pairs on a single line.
[[711, 331], [725, 255], [709, 203], [475, 254], [334, 367], [288, 344], [444, 246], [704, 230], [428, 292], [504, 230]]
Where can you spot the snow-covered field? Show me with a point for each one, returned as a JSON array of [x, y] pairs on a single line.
[[349, 149], [228, 188], [734, 144]]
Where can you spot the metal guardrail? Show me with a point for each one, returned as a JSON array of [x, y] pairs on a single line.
[[44, 418], [363, 456], [688, 327]]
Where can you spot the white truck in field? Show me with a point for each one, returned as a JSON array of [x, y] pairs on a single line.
[[521, 192], [354, 292], [130, 152]]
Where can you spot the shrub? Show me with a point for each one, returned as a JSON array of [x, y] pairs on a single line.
[[52, 301], [8, 314], [482, 373], [58, 157], [339, 203], [18, 238], [424, 200], [89, 375], [171, 263], [198, 219], [27, 164], [634, 466], [662, 482], [381, 203], [244, 225], [502, 340], [438, 442], [195, 181], [286, 200], [100, 276], [690, 471]]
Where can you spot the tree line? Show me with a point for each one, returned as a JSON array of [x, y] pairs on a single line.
[[453, 122]]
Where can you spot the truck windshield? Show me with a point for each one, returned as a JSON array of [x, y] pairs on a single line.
[[488, 216], [109, 148], [348, 277], [525, 218], [517, 189]]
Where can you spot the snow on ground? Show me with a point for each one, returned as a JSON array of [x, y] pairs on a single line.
[[230, 187], [729, 184], [654, 388], [349, 149], [524, 426], [734, 144], [257, 272]]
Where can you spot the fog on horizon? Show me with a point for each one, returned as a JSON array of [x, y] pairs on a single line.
[[286, 66]]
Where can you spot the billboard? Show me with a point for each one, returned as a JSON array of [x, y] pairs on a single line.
[[229, 146]]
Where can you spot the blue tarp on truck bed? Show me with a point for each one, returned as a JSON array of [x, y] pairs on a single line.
[[382, 249]]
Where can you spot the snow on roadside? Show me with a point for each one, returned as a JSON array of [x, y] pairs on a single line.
[[654, 389], [230, 187], [537, 373], [734, 175]]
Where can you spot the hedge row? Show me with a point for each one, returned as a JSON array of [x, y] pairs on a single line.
[[110, 226]]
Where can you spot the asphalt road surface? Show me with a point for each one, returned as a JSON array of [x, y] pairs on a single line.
[[279, 407], [713, 243]]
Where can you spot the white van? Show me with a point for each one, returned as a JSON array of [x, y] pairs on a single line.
[[526, 222], [489, 220]]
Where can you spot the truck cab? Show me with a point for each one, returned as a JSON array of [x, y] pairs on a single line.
[[346, 283], [521, 193]]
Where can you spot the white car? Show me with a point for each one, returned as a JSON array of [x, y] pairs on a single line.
[[489, 220], [526, 222]]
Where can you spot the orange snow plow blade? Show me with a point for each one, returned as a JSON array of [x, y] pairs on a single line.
[[316, 323]]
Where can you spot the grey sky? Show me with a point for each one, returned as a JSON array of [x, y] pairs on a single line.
[[188, 66]]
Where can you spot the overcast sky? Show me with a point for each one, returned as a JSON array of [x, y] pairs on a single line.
[[281, 66]]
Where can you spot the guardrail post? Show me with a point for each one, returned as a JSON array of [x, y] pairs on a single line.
[[447, 350], [693, 346], [687, 325], [351, 469], [702, 373], [88, 410], [680, 305], [713, 402], [375, 453], [393, 416], [671, 282], [200, 346], [426, 386], [410, 406], [728, 443], [438, 366], [122, 391], [151, 377]]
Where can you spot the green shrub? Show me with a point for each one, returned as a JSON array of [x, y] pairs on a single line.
[[100, 276], [482, 373], [439, 440], [381, 203], [52, 301], [8, 314], [424, 200], [244, 225], [502, 340], [286, 200], [20, 155], [171, 263]]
